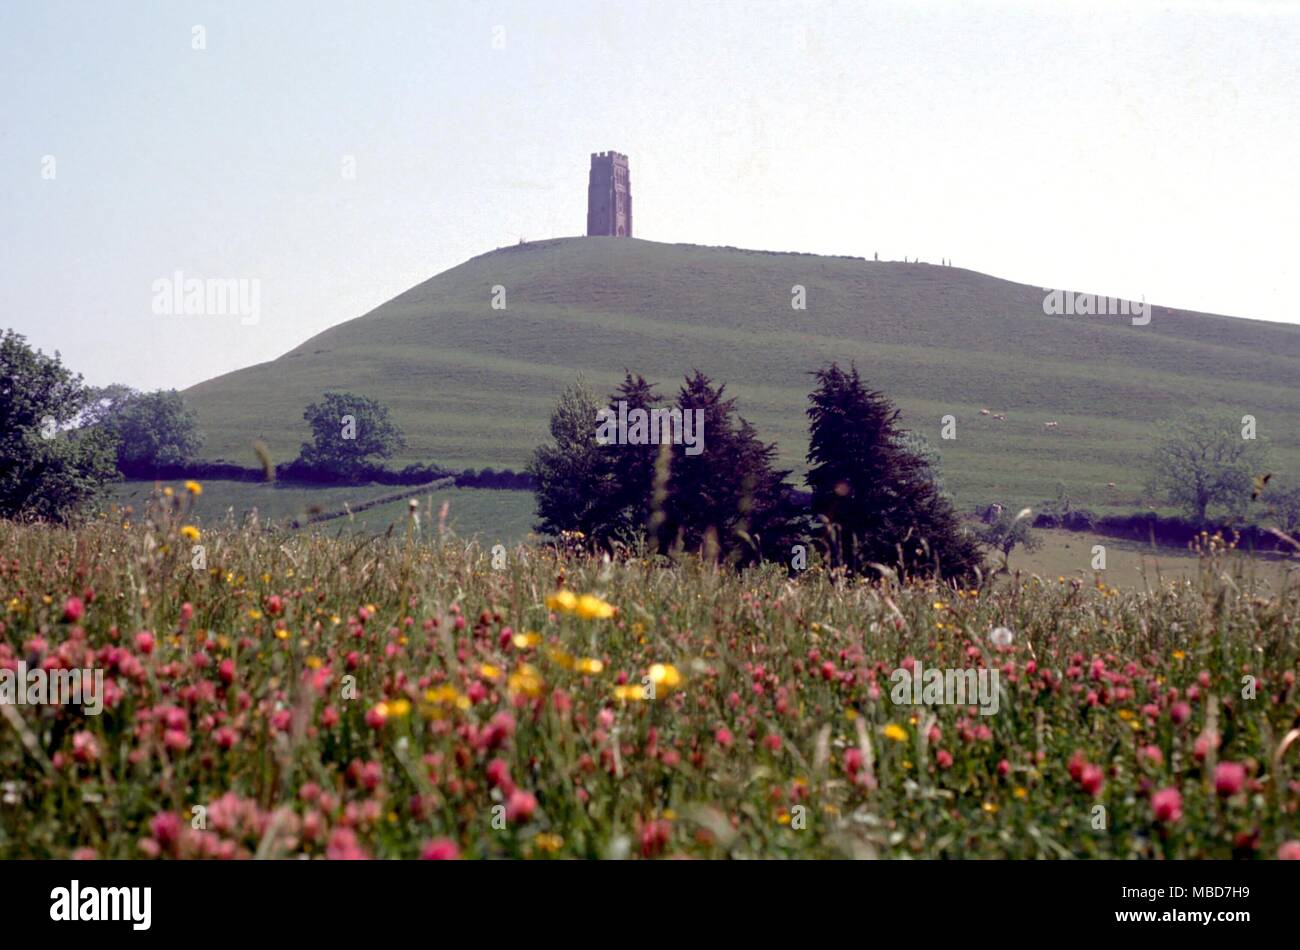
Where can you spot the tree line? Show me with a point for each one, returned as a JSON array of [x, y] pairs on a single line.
[[874, 497]]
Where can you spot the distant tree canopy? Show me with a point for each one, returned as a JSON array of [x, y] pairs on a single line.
[[350, 433], [705, 482], [48, 468], [875, 498], [151, 429], [1205, 465]]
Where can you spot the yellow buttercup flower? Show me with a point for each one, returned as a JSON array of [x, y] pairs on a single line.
[[590, 665], [665, 674], [629, 693], [399, 708], [489, 672], [190, 532], [591, 607], [564, 600], [549, 843], [524, 640], [194, 488], [895, 732], [438, 698], [525, 681]]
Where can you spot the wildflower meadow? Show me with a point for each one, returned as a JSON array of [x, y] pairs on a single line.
[[301, 695]]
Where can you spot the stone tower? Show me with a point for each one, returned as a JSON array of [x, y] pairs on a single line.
[[609, 196]]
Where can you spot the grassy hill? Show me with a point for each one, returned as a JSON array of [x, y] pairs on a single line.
[[474, 386]]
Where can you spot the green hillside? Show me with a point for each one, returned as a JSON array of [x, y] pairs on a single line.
[[473, 386]]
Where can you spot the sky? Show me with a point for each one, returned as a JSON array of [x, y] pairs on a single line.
[[332, 154]]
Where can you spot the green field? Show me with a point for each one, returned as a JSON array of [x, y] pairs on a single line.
[[474, 386], [507, 517], [492, 516]]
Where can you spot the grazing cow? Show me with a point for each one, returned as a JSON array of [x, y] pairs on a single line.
[[991, 514], [1000, 416], [1051, 425], [1110, 484], [984, 412]]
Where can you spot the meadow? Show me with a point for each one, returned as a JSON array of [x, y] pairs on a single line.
[[491, 515], [402, 696]]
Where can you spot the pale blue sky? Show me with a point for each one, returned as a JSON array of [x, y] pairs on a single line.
[[1130, 148]]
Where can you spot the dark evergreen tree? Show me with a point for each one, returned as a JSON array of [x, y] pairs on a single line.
[[631, 468], [729, 494], [727, 491], [873, 496]]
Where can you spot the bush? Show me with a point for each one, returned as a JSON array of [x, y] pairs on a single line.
[[1009, 531]]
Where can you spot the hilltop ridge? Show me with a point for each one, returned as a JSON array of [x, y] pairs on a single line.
[[474, 386]]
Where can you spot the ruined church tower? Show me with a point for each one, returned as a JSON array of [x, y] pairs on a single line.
[[609, 196]]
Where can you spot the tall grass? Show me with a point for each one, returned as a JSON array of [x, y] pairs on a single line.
[[398, 696]]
